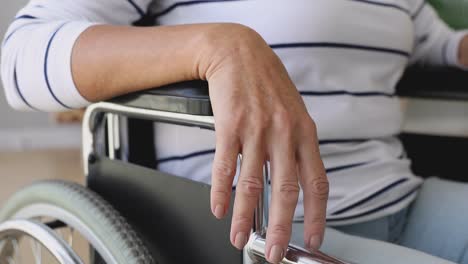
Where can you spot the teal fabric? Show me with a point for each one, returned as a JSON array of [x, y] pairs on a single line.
[[453, 12], [433, 228]]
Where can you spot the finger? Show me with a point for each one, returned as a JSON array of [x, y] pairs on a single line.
[[315, 188], [248, 189], [223, 172], [285, 192]]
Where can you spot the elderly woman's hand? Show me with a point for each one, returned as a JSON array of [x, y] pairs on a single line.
[[259, 113]]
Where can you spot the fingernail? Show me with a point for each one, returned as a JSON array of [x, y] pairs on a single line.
[[276, 254], [240, 240], [314, 242], [219, 211]]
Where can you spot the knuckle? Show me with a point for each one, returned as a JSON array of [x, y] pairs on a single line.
[[220, 193], [258, 124], [282, 116], [242, 220], [261, 121], [316, 221], [289, 187], [319, 188], [250, 186], [309, 125], [311, 122], [224, 171], [228, 124], [279, 229], [244, 30], [284, 121], [289, 190]]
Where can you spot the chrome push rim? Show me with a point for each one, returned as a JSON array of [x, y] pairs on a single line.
[[21, 237], [48, 223]]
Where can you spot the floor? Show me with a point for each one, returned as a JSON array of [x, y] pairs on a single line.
[[18, 169]]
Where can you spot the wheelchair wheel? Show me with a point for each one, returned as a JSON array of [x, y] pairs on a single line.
[[71, 211]]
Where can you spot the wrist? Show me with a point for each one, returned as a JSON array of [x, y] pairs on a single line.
[[226, 45]]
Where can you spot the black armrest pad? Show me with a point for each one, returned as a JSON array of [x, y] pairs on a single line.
[[434, 83], [186, 97], [193, 97]]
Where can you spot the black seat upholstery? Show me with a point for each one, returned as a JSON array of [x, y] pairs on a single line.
[[171, 214]]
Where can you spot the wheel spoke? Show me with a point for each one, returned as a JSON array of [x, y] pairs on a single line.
[[11, 249], [2, 245], [45, 237], [36, 250], [16, 248], [6, 250], [61, 233], [3, 249], [70, 236]]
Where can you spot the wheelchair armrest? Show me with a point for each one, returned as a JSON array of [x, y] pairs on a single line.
[[192, 97], [434, 83], [186, 98], [444, 159]]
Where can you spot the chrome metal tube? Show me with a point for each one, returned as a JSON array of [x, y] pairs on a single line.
[[89, 122], [294, 255], [44, 235], [261, 211], [110, 135]]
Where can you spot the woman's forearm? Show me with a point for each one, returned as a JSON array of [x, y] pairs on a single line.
[[108, 61]]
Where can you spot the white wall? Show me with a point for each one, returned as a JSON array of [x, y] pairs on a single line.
[[20, 130]]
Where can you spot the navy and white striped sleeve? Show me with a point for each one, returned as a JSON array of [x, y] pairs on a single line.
[[36, 50], [435, 43]]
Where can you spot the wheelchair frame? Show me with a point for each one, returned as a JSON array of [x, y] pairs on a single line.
[[254, 251]]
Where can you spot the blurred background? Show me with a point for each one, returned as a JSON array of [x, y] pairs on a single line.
[[35, 146]]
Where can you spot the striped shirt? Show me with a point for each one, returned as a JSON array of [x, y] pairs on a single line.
[[344, 56]]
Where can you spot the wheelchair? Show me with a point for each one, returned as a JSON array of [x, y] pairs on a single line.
[[131, 213]]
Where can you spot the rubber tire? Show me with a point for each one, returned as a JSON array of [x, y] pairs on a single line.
[[107, 225]]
